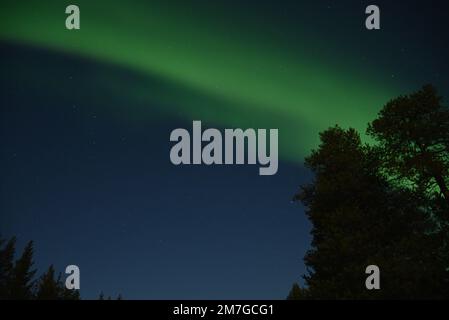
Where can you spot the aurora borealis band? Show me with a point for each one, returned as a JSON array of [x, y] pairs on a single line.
[[86, 115], [253, 72]]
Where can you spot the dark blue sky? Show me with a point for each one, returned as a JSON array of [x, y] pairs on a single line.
[[97, 190]]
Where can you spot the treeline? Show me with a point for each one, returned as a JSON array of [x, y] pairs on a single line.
[[385, 203], [18, 279], [102, 297]]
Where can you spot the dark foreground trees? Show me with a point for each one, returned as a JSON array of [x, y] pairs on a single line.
[[17, 277], [413, 136], [384, 205]]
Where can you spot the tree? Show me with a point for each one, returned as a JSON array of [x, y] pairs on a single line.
[[51, 288], [413, 134], [17, 279], [359, 219], [6, 266], [22, 275], [297, 293], [67, 294], [48, 287]]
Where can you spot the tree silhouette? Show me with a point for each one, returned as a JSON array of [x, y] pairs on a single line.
[[67, 294], [360, 219], [22, 275], [297, 293], [6, 266], [101, 297], [51, 288], [17, 278], [48, 287], [413, 134]]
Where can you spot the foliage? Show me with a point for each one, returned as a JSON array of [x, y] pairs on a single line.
[[385, 204]]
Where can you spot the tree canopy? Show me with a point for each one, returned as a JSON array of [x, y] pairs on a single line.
[[383, 204], [17, 278]]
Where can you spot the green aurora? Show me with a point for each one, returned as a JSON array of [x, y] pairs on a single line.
[[214, 65]]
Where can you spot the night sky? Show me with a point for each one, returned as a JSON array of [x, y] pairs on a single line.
[[86, 116]]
